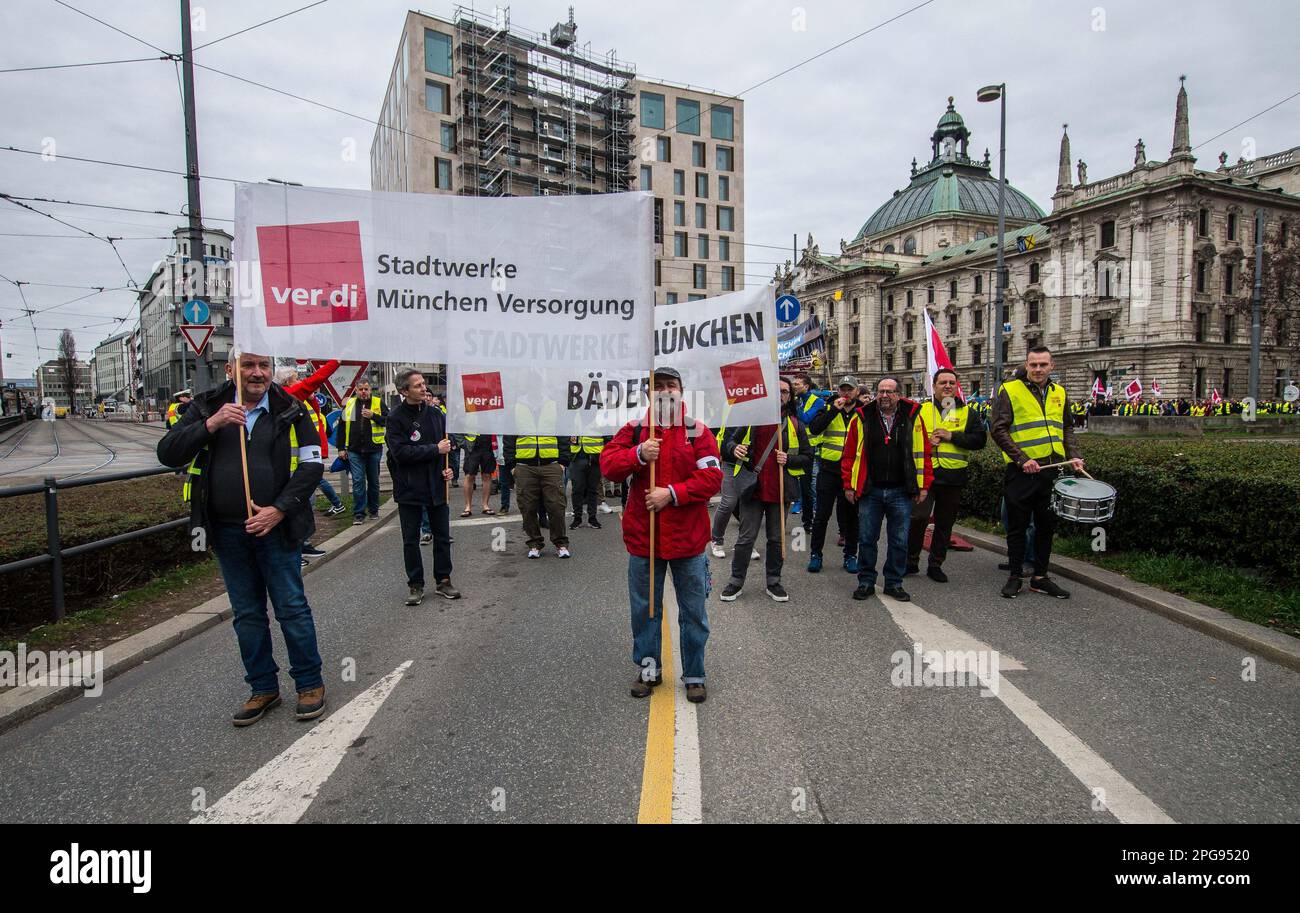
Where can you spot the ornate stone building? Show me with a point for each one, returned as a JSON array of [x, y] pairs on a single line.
[[1144, 274]]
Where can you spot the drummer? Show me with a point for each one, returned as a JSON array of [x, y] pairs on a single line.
[[1030, 427]]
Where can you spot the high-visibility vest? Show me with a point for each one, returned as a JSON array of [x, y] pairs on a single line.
[[814, 439], [792, 444], [173, 414], [194, 470], [946, 455], [589, 445], [350, 416], [832, 439], [1038, 430], [532, 446]]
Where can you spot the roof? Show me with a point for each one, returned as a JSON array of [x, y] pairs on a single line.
[[986, 246], [948, 188]]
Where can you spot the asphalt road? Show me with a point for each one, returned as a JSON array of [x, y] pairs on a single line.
[[512, 705], [76, 448]]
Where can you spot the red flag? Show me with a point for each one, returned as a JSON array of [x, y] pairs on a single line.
[[936, 357], [1155, 387], [1215, 397], [1097, 388], [1134, 389]]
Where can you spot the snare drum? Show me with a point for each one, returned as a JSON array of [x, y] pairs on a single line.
[[1083, 500]]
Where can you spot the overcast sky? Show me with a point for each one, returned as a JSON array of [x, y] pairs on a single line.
[[825, 144]]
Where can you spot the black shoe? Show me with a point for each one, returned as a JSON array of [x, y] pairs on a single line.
[[730, 592], [695, 693], [1047, 587], [1011, 589], [357, 521], [912, 569], [864, 592], [642, 688], [311, 551], [594, 523], [446, 590], [777, 592], [575, 522], [935, 573], [897, 592]]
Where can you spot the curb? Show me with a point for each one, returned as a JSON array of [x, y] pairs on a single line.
[[21, 704], [1271, 645]]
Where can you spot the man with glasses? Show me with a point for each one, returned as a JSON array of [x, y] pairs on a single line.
[[879, 476]]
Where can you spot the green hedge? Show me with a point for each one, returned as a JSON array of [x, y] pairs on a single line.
[[1231, 502]]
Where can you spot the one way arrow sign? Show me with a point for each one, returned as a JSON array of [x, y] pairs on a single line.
[[197, 335]]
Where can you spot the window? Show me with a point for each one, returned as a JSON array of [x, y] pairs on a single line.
[[1006, 348], [702, 247], [726, 218], [855, 305], [663, 149], [652, 110], [679, 213], [688, 116], [442, 175], [724, 187], [979, 284], [437, 52], [1006, 277], [659, 222], [659, 273], [1229, 278], [1033, 274], [448, 137], [909, 326], [952, 289], [907, 364], [1279, 383], [1232, 226], [1281, 331], [1227, 383], [978, 314], [889, 303], [695, 297], [909, 297], [679, 183], [1032, 317], [909, 246], [1201, 270], [1203, 223], [889, 362], [1006, 313], [701, 276], [726, 158], [1030, 342], [670, 298], [1229, 328], [728, 278], [646, 172], [436, 98], [679, 244], [853, 335], [976, 353], [952, 324], [701, 185], [955, 353], [1103, 333], [889, 332], [1108, 233], [830, 309], [889, 248], [697, 155], [1202, 319], [1199, 391], [724, 248], [722, 122], [701, 217], [929, 294]]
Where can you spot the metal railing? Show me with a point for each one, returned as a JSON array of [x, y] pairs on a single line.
[[54, 551]]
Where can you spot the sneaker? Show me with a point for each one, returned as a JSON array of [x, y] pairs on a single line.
[[754, 555], [374, 516], [357, 521], [1011, 589], [311, 551], [864, 592], [935, 573], [575, 522], [311, 704], [335, 511], [534, 553], [814, 563], [446, 590], [563, 551], [897, 592], [730, 592], [593, 523], [642, 688], [1047, 586], [912, 569], [303, 562], [503, 511], [777, 592], [851, 563], [717, 550], [605, 508], [797, 506], [695, 693], [415, 596], [255, 708], [426, 538]]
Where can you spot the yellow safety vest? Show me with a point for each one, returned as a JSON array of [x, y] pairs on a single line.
[[1039, 431], [531, 446], [814, 440], [946, 455], [194, 469], [792, 444], [832, 439], [589, 445], [173, 414], [350, 416]]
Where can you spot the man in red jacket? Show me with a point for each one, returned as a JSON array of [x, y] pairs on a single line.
[[688, 474]]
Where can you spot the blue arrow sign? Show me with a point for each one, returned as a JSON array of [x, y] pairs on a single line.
[[196, 311], [787, 308]]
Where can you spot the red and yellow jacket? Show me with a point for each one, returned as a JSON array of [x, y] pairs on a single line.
[[853, 464]]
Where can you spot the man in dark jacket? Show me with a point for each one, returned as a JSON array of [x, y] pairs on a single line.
[[416, 436], [258, 544], [944, 435], [766, 450], [831, 425], [879, 476]]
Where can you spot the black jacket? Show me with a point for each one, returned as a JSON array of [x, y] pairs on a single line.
[[822, 420], [190, 438], [411, 434], [509, 459]]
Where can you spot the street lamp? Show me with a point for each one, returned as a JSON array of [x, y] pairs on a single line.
[[995, 93]]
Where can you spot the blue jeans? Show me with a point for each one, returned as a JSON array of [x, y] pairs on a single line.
[[1031, 552], [692, 582], [505, 482], [254, 568], [330, 494], [365, 482], [893, 506]]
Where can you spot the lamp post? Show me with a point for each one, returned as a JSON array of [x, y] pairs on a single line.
[[996, 93]]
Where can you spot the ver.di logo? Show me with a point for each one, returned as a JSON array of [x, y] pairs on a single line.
[[312, 273]]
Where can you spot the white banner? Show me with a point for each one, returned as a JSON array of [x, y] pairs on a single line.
[[436, 278], [724, 348]]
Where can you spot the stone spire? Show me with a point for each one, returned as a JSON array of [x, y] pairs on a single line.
[[1063, 181], [1182, 142]]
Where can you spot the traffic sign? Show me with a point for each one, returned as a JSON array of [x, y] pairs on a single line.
[[787, 308], [196, 311], [343, 382], [1291, 393], [197, 335]]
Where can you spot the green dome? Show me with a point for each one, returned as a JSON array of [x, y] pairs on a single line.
[[949, 190]]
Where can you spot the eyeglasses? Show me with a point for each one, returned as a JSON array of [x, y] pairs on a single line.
[[887, 393]]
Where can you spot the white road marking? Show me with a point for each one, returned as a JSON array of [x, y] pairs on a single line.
[[511, 517], [1122, 799], [282, 790], [686, 739]]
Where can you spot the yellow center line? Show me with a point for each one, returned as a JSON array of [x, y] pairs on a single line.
[[657, 776]]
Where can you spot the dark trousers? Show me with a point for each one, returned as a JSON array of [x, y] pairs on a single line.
[[1029, 495], [808, 505], [830, 495], [535, 486], [584, 476], [411, 516], [943, 500], [752, 514]]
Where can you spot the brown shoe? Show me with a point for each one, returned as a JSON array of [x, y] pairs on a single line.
[[255, 708], [311, 704], [642, 688], [695, 693]]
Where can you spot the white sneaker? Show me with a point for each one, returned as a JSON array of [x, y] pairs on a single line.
[[605, 508], [754, 556], [534, 553], [563, 551], [718, 550]]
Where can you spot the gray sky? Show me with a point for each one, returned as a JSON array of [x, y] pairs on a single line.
[[825, 144]]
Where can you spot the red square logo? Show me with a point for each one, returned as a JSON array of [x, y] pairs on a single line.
[[312, 273], [743, 381], [482, 392]]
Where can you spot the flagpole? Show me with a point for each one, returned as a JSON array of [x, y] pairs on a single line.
[[243, 438], [653, 464]]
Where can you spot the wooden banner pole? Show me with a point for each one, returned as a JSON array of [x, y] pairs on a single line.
[[243, 437]]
